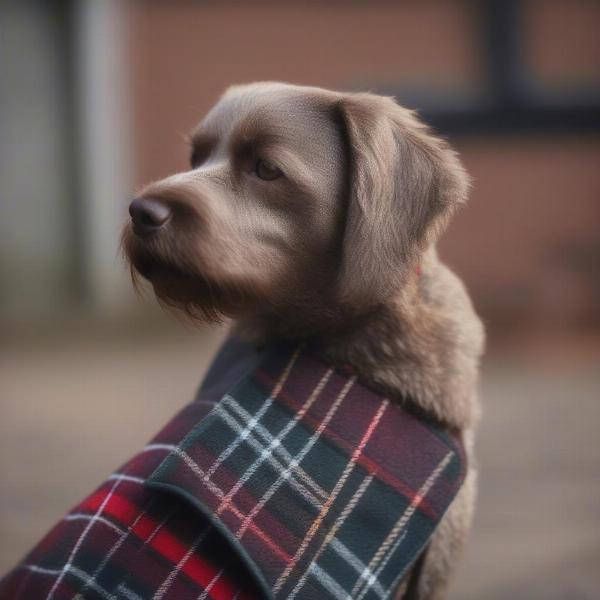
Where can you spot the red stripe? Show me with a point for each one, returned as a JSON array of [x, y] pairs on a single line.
[[127, 517], [370, 465], [164, 542]]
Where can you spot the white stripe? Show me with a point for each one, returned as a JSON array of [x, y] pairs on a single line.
[[252, 423], [341, 549], [355, 562], [37, 569], [152, 447], [400, 524], [336, 490], [159, 526], [129, 594], [120, 542], [310, 443], [393, 586], [375, 577], [266, 453], [267, 436], [82, 537], [89, 582], [277, 465], [330, 537], [209, 587], [82, 575], [199, 471], [327, 581], [117, 545], [124, 477], [195, 468], [83, 517], [202, 401], [166, 584]]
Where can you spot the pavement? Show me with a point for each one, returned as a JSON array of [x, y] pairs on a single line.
[[75, 405]]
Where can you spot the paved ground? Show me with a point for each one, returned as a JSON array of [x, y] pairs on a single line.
[[72, 408]]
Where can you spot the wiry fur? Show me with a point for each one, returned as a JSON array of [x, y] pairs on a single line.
[[340, 249]]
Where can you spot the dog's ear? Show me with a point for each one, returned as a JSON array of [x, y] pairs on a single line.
[[403, 185]]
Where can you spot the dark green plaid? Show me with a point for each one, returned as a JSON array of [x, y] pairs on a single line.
[[296, 482], [327, 489]]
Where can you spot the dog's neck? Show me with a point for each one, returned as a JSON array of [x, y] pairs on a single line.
[[422, 346]]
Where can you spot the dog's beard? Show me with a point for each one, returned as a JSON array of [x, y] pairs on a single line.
[[198, 297], [184, 288]]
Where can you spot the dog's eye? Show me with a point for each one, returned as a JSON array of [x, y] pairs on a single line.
[[267, 170]]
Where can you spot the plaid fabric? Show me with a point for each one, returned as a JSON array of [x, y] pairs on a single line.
[[299, 482]]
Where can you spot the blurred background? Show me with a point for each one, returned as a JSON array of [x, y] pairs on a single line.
[[95, 99]]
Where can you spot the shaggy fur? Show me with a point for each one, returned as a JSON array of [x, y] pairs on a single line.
[[338, 247]]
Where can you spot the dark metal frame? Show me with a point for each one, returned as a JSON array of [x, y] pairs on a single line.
[[511, 103]]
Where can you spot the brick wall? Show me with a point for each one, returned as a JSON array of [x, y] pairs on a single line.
[[527, 244]]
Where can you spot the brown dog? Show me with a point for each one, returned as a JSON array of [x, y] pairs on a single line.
[[308, 212]]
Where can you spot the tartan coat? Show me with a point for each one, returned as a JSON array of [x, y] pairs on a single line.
[[285, 478]]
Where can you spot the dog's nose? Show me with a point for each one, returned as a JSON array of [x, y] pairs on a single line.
[[148, 215]]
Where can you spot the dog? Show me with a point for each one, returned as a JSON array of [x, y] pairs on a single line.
[[314, 214]]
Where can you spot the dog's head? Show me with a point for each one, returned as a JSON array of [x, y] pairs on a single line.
[[298, 201]]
